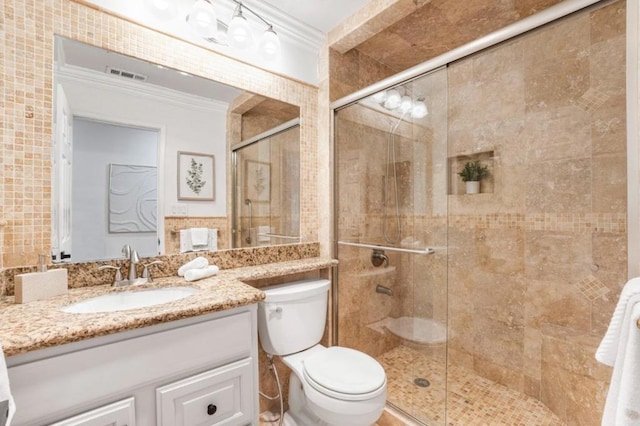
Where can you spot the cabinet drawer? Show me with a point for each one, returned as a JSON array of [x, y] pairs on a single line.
[[222, 396], [121, 413]]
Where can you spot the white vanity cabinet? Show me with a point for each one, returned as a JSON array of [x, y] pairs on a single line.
[[121, 413], [174, 373]]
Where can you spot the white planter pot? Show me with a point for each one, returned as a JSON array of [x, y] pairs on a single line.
[[473, 187]]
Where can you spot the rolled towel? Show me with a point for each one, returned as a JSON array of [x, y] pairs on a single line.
[[197, 263], [198, 274]]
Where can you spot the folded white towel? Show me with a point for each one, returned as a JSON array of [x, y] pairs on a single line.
[[5, 391], [608, 349], [199, 237], [198, 274], [197, 263], [622, 407]]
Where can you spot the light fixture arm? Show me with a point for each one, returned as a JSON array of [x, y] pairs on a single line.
[[242, 6]]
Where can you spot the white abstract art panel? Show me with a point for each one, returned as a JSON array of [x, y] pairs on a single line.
[[133, 198]]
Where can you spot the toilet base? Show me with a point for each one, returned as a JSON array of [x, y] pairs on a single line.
[[299, 413]]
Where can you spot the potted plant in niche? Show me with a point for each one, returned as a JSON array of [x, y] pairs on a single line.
[[472, 173]]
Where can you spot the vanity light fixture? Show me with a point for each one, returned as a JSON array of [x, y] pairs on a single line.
[[404, 104], [204, 21]]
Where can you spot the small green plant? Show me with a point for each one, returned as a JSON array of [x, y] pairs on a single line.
[[474, 171]]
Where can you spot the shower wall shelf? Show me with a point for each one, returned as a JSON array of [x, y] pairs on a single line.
[[426, 250], [456, 163]]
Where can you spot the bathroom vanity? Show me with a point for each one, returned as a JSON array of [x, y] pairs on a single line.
[[188, 362], [185, 372]]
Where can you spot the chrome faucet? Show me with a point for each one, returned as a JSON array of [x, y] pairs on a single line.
[[134, 259]]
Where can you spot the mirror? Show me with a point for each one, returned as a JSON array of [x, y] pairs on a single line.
[[140, 154]]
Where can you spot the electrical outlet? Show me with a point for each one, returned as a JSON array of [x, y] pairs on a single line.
[[179, 209]]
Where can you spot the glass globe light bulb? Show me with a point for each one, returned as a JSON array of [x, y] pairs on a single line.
[[405, 104], [163, 9], [419, 109], [202, 19], [239, 33], [269, 44], [393, 99], [379, 97]]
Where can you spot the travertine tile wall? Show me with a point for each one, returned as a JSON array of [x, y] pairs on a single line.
[[548, 246], [389, 36], [173, 225], [25, 128]]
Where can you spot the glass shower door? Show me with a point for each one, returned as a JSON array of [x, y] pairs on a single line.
[[391, 227], [266, 193]]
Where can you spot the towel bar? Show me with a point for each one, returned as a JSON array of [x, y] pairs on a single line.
[[175, 231]]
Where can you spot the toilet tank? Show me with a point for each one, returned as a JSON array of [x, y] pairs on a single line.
[[292, 316]]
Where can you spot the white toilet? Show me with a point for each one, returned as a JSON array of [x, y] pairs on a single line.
[[329, 386]]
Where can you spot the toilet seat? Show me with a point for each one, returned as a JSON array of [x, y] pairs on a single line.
[[344, 374]]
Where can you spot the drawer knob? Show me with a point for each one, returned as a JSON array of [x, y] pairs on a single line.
[[211, 409]]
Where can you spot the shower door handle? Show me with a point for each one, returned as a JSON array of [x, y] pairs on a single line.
[[248, 203]]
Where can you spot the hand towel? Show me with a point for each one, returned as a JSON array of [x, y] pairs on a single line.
[[198, 274], [608, 349], [5, 392], [185, 241], [199, 237], [197, 263], [213, 239], [622, 407]]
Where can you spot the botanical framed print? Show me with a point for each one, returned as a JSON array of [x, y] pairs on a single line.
[[257, 181], [196, 176]]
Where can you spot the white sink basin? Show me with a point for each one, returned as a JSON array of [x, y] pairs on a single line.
[[126, 300]]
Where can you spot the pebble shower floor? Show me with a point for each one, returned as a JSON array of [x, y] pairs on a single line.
[[473, 400]]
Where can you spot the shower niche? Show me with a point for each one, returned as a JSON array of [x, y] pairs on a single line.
[[456, 164]]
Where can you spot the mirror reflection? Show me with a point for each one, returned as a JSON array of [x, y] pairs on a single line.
[[140, 155], [267, 176]]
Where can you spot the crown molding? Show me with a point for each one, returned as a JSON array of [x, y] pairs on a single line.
[[295, 30], [150, 91]]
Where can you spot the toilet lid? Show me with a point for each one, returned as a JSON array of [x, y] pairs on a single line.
[[345, 370]]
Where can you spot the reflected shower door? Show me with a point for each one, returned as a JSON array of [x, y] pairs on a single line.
[[391, 192], [267, 187]]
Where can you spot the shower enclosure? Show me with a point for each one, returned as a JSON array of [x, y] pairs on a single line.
[[266, 188], [391, 151], [469, 300]]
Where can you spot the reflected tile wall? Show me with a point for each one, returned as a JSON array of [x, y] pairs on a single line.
[[173, 225]]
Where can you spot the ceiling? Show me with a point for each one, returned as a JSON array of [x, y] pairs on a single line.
[[77, 54], [323, 15]]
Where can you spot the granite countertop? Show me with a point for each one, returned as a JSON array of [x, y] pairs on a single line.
[[41, 324]]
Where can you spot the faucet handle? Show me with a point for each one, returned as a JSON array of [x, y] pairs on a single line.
[[118, 272], [145, 272]]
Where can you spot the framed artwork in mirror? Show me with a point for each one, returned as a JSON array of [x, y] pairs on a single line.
[[133, 199], [196, 176], [257, 181]]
